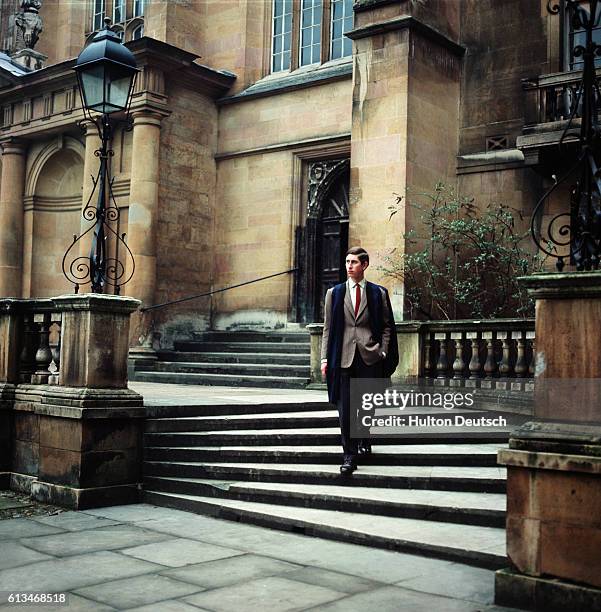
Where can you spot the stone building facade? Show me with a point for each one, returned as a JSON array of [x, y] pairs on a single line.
[[269, 135]]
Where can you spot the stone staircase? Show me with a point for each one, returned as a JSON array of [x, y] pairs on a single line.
[[278, 465], [236, 359]]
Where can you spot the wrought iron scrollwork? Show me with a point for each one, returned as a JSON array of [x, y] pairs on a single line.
[[99, 269], [575, 235]]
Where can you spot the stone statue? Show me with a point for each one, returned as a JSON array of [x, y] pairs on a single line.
[[28, 24]]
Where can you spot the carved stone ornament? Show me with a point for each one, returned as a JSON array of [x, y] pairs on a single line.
[[28, 25], [319, 175]]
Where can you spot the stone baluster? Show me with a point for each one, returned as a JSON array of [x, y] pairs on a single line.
[[28, 349], [459, 363], [428, 354], [442, 365], [530, 336], [490, 365], [55, 347], [521, 367], [474, 365], [505, 365], [43, 355]]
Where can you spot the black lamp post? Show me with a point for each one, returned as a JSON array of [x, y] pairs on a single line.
[[576, 235], [106, 71]]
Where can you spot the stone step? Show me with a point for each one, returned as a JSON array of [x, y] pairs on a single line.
[[252, 336], [317, 420], [443, 478], [196, 346], [408, 454], [487, 509], [245, 369], [232, 357], [296, 437], [229, 380], [168, 413], [483, 546]]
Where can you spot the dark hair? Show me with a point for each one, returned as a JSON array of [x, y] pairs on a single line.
[[360, 252]]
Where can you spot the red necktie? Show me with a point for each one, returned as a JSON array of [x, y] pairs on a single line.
[[357, 298]]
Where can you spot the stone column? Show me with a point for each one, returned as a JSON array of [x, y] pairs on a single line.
[[143, 205], [11, 217], [554, 465]]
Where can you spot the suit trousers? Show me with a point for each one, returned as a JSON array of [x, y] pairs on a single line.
[[358, 369]]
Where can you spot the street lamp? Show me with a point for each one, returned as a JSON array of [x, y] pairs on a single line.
[[575, 234], [106, 71]]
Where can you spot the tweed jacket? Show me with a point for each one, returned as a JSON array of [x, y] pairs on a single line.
[[357, 332]]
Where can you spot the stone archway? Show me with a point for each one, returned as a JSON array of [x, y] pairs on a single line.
[[322, 243], [52, 215]]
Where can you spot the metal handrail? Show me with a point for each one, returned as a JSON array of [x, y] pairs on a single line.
[[194, 297]]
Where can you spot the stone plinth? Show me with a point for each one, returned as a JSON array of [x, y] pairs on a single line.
[[316, 331], [95, 339], [554, 467], [79, 443]]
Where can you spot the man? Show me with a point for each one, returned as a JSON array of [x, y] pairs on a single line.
[[359, 341]]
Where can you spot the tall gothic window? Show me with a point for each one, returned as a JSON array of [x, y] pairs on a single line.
[[139, 8], [310, 44], [118, 11], [306, 32], [282, 35], [98, 14], [342, 22]]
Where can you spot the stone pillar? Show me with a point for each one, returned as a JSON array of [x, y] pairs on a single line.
[[401, 66], [143, 205], [88, 444], [554, 467], [11, 217], [316, 331]]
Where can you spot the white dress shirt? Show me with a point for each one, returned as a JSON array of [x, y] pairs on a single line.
[[353, 292]]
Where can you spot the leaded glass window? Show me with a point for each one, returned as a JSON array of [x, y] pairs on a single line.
[[98, 21], [118, 11], [282, 35], [310, 44], [139, 8], [342, 22]]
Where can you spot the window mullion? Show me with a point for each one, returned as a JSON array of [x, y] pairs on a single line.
[[325, 30], [296, 27]]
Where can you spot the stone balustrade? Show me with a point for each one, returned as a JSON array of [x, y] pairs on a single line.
[[467, 350]]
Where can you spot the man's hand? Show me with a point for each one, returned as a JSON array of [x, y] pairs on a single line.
[[324, 369]]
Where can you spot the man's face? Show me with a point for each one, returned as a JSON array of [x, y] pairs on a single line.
[[354, 268]]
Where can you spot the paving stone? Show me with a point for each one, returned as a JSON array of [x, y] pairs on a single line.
[[333, 580], [74, 521], [12, 529], [224, 572], [138, 591], [276, 594], [457, 580], [179, 552], [394, 599], [168, 606], [75, 604], [103, 538], [57, 575], [14, 554]]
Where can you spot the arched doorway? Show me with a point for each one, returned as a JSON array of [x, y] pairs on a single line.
[[323, 241]]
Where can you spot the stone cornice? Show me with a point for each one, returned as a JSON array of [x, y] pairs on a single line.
[[368, 5], [148, 52], [412, 24]]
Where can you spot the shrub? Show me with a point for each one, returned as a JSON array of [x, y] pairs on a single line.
[[466, 262]]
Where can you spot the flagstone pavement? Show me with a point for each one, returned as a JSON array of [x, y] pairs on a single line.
[[144, 557]]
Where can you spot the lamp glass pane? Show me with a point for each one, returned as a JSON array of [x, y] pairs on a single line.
[[92, 81], [118, 84]]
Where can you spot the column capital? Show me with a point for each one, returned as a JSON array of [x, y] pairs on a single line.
[[147, 117], [13, 146]]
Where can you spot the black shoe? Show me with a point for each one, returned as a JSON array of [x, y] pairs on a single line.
[[364, 448], [348, 466]]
